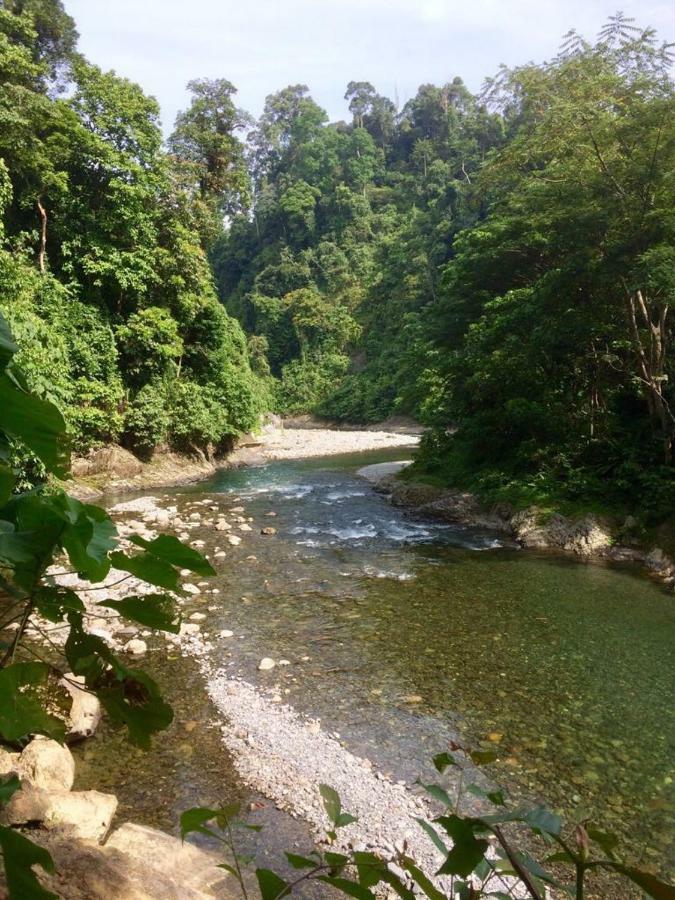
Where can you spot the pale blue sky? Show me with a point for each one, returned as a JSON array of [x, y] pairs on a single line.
[[263, 45]]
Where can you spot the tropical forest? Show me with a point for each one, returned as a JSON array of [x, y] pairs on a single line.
[[337, 461]]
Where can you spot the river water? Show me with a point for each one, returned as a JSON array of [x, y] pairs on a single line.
[[403, 634]]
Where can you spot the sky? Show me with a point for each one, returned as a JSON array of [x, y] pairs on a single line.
[[263, 45]]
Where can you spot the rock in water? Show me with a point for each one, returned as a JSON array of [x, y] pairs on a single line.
[[266, 663], [268, 530], [44, 763], [85, 712]]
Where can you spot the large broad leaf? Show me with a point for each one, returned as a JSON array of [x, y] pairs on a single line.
[[15, 547], [37, 424], [136, 702], [467, 850], [7, 481], [22, 711], [148, 568], [171, 550], [154, 610], [130, 697], [271, 886], [19, 856], [7, 346], [54, 603], [88, 538], [8, 788]]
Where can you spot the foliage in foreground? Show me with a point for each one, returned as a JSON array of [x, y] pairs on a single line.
[[39, 528], [479, 858]]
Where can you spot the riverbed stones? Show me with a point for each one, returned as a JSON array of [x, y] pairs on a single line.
[[222, 525], [234, 540], [136, 647], [197, 617], [226, 633], [266, 663], [82, 814], [268, 529], [245, 527], [191, 589]]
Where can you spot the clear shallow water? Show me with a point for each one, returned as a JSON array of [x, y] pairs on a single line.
[[403, 634]]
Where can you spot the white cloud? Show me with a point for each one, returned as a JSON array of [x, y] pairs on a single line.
[[263, 45]]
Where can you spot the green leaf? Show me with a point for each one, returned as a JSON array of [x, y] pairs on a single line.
[[171, 550], [433, 834], [300, 862], [148, 568], [15, 547], [154, 610], [194, 820], [608, 842], [345, 819], [369, 867], [37, 424], [336, 860], [443, 760], [19, 856], [54, 603], [482, 757], [543, 820], [438, 793], [7, 481], [350, 888], [8, 788], [496, 797], [331, 802], [136, 703], [271, 886], [649, 883], [467, 850], [88, 539], [421, 880], [22, 712], [7, 346]]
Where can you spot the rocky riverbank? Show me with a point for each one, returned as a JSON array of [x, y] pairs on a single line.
[[589, 537], [276, 751], [114, 470]]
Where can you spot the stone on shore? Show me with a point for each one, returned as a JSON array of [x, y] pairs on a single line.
[[85, 712], [46, 764], [82, 814]]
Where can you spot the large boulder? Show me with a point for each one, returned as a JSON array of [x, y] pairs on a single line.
[[137, 863], [111, 460], [46, 764], [86, 815]]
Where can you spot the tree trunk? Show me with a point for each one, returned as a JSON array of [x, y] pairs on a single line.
[[42, 254], [648, 321]]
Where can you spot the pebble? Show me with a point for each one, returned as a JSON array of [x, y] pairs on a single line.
[[136, 647], [226, 633], [266, 663], [233, 539], [191, 588], [268, 530], [197, 617], [237, 509], [245, 527]]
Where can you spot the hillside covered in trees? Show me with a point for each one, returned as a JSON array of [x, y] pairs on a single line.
[[499, 266]]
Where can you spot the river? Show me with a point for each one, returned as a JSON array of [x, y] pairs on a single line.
[[403, 634]]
